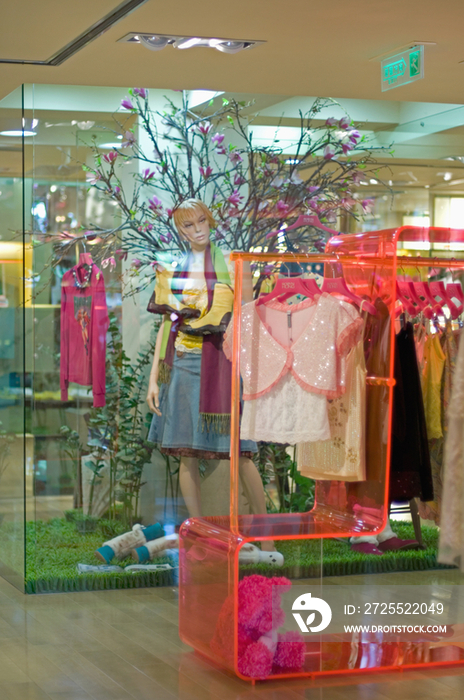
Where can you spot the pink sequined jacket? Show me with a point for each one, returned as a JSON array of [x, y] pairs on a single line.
[[328, 330]]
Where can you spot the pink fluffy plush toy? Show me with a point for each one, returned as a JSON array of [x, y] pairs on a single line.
[[262, 651]]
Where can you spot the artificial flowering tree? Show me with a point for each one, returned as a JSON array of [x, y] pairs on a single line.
[[253, 190]]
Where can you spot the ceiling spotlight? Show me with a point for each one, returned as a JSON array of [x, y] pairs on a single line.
[[232, 46], [292, 161], [188, 43], [157, 42], [447, 176], [154, 43], [373, 181]]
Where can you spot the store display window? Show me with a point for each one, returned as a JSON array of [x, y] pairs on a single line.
[[204, 384]]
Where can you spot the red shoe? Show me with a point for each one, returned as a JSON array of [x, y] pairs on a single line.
[[366, 548], [394, 544]]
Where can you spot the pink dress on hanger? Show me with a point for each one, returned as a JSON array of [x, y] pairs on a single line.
[[292, 359]]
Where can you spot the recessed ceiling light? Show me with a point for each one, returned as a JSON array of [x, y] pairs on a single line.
[[157, 42], [110, 145], [373, 181], [17, 132]]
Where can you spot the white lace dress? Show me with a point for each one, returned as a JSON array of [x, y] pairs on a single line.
[[451, 547]]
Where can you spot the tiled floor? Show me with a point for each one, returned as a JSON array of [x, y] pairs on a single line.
[[123, 645]]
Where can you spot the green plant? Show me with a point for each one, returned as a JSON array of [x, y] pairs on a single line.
[[117, 429], [295, 492]]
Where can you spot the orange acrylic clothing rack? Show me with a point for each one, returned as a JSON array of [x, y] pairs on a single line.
[[210, 546]]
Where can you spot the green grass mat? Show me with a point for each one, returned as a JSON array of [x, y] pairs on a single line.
[[54, 549], [303, 558]]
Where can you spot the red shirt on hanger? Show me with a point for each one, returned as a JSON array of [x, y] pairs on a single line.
[[84, 324]]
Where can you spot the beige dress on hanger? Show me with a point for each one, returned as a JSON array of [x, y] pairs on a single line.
[[343, 457], [451, 546]]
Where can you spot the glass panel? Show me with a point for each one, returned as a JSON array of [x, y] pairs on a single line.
[[16, 448]]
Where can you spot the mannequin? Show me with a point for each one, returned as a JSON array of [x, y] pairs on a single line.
[[200, 298]]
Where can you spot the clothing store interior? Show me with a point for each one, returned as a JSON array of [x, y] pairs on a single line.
[[231, 372]]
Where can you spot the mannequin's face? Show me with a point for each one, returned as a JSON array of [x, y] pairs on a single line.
[[196, 230]]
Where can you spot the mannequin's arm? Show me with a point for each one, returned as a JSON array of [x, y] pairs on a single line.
[[153, 388]]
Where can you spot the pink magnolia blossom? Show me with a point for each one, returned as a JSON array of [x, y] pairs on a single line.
[[155, 204], [217, 139], [238, 179], [136, 263], [354, 135], [221, 151], [110, 157], [235, 198], [219, 236], [130, 139], [282, 208], [234, 213], [169, 212], [331, 121], [166, 238], [94, 178], [141, 92], [204, 128], [147, 174], [347, 147], [329, 152], [122, 254], [344, 122], [206, 172], [127, 104], [109, 261], [368, 204], [235, 157], [313, 188]]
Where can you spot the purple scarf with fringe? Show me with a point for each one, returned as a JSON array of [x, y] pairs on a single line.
[[216, 370]]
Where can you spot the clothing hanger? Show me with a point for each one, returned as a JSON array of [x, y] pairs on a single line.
[[454, 291], [285, 287], [311, 220], [337, 285], [85, 258], [404, 296], [430, 306], [439, 290], [306, 220]]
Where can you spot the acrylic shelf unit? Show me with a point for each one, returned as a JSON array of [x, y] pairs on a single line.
[[210, 546]]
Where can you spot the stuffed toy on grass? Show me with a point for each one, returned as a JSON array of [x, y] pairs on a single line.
[[262, 651]]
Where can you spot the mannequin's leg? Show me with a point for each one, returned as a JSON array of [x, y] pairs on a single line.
[[254, 491], [189, 481]]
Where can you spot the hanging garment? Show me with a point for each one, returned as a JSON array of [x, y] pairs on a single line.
[[343, 456], [433, 364], [292, 358], [432, 509], [84, 324], [451, 545], [410, 472]]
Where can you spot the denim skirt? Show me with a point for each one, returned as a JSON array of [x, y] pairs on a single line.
[[178, 430]]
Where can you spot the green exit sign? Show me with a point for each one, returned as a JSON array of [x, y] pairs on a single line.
[[403, 68]]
